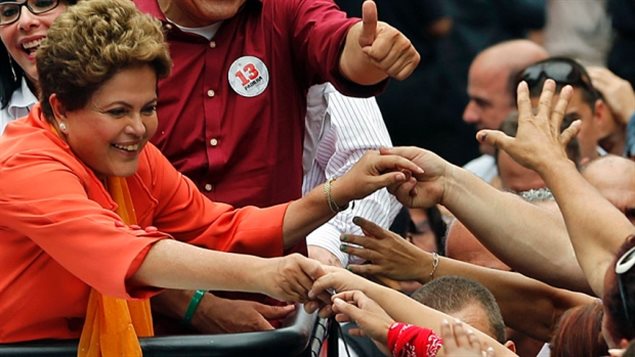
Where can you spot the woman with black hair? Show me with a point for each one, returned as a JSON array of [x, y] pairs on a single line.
[[21, 33]]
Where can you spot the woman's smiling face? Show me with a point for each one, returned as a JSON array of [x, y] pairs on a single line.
[[23, 37], [109, 133]]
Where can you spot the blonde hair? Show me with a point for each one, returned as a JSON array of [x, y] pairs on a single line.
[[92, 41]]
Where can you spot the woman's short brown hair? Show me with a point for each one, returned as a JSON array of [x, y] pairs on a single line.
[[92, 41]]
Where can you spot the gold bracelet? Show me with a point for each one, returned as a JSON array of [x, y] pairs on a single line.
[[329, 197], [435, 264]]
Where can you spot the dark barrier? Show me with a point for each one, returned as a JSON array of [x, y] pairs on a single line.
[[292, 340]]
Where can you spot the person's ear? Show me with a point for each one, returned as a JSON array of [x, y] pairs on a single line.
[[510, 345], [604, 119], [601, 112], [59, 112]]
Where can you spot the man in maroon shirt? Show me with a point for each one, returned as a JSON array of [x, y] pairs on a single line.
[[231, 115]]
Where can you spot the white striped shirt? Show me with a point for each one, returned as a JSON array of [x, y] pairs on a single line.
[[339, 130]]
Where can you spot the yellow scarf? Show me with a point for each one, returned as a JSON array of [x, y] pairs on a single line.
[[113, 325]]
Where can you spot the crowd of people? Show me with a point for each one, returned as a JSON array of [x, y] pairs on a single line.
[[175, 167]]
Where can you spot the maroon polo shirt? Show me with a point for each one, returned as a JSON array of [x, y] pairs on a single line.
[[241, 143]]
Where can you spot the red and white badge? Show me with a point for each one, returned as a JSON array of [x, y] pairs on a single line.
[[248, 76]]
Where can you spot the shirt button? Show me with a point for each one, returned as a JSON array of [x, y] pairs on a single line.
[[208, 187], [211, 93], [213, 142], [212, 44]]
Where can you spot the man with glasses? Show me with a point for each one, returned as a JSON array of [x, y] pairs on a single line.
[[599, 132], [601, 236]]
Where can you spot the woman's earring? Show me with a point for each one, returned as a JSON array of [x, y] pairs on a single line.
[[62, 126]]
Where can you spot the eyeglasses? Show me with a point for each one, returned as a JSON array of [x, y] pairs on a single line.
[[623, 266], [10, 11], [561, 70]]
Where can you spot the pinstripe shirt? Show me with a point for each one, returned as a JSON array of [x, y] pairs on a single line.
[[339, 130]]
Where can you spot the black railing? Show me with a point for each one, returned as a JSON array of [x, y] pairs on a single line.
[[294, 339]]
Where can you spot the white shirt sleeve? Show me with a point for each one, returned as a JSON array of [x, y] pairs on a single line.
[[339, 130]]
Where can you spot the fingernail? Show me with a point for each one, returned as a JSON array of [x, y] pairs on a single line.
[[356, 219], [342, 247], [344, 238]]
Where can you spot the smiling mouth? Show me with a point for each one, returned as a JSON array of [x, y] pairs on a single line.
[[31, 46], [127, 148]]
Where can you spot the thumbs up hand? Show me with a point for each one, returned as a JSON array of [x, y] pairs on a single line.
[[369, 24], [375, 50], [386, 47]]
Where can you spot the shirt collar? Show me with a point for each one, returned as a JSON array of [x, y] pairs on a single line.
[[22, 98]]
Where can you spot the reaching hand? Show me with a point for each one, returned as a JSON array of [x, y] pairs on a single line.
[[371, 319], [372, 172], [335, 279], [457, 341], [538, 142], [386, 47], [617, 92], [291, 277], [218, 315], [425, 189], [388, 254]]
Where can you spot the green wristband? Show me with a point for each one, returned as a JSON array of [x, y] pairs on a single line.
[[191, 308]]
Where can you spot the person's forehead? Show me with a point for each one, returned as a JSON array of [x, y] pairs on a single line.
[[488, 84], [576, 103], [475, 315]]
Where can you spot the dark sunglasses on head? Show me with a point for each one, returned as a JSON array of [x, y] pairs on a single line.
[[10, 10], [561, 70], [623, 266]]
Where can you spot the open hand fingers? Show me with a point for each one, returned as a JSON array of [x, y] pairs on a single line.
[[371, 229], [559, 110], [460, 334], [523, 102], [571, 132], [546, 96], [495, 138]]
